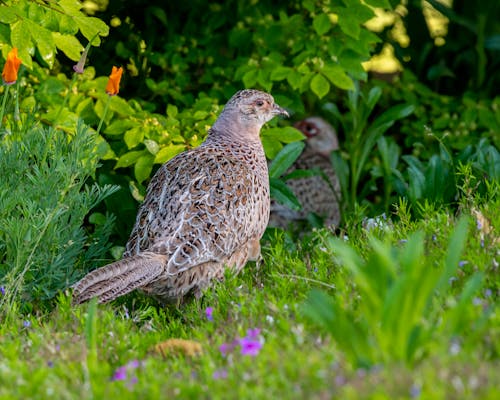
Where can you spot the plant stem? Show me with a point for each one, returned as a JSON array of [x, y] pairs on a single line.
[[4, 102], [103, 114], [65, 101]]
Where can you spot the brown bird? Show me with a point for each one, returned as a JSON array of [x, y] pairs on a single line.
[[315, 193], [204, 212]]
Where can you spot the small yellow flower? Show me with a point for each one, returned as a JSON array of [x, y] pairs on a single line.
[[11, 67], [113, 86]]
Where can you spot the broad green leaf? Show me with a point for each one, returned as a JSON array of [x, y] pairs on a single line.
[[379, 4], [271, 146], [134, 136], [152, 146], [283, 194], [319, 85], [119, 126], [285, 158], [20, 37], [172, 110], [250, 78], [68, 44], [143, 167], [168, 152], [121, 107], [90, 26], [392, 114], [322, 24], [7, 15], [336, 75], [294, 79], [129, 158], [287, 134], [44, 43], [280, 73], [341, 168], [302, 173], [349, 25]]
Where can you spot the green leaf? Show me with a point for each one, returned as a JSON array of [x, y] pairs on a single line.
[[280, 73], [119, 126], [134, 136], [7, 15], [168, 152], [283, 194], [250, 78], [349, 25], [392, 114], [455, 247], [322, 24], [68, 44], [44, 43], [143, 167], [90, 26], [319, 85], [337, 76], [129, 158], [20, 38], [287, 134], [172, 110], [379, 4], [271, 146], [285, 158], [152, 146], [121, 107]]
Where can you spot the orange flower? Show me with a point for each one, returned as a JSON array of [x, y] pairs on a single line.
[[9, 73], [113, 86]]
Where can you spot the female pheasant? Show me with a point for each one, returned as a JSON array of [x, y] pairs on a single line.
[[205, 210]]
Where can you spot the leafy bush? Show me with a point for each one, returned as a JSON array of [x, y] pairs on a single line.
[[44, 198], [39, 30]]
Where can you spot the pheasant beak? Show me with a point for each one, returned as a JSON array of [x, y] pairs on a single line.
[[277, 110]]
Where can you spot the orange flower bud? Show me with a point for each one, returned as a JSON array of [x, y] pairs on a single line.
[[113, 86], [9, 73]]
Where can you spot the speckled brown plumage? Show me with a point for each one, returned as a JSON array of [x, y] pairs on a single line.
[[315, 194], [204, 211]]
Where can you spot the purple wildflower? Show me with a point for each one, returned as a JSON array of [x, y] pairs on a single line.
[[477, 301], [463, 263], [26, 324], [415, 391], [250, 347], [479, 224], [253, 333], [220, 374], [120, 374], [50, 364], [226, 348], [2, 290], [134, 364], [209, 313]]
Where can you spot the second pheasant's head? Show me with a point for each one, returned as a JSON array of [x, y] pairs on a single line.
[[247, 111], [321, 136]]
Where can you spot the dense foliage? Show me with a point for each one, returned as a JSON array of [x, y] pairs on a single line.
[[407, 281]]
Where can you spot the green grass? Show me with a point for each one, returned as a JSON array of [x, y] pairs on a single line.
[[73, 353]]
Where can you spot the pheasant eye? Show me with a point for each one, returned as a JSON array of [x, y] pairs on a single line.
[[259, 103], [311, 130]]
